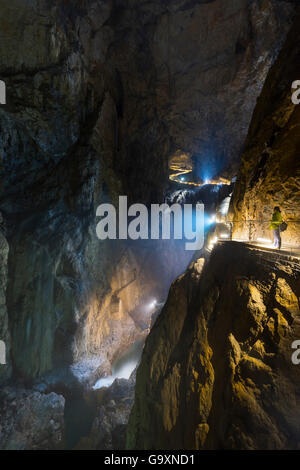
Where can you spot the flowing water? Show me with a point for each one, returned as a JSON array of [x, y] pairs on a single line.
[[123, 367]]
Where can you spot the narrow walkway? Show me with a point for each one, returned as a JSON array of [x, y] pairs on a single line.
[[254, 228], [287, 253], [178, 178]]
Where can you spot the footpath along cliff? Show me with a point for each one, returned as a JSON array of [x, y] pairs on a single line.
[[216, 372]]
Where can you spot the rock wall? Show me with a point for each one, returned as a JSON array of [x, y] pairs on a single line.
[[5, 369], [211, 60], [112, 408], [216, 371], [99, 94], [269, 173], [31, 420], [50, 171], [58, 149]]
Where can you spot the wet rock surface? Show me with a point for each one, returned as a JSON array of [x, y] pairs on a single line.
[[211, 60], [5, 367], [99, 95], [112, 409], [269, 174], [30, 420], [216, 372], [61, 156]]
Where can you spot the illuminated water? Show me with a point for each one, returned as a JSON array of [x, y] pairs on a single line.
[[123, 367]]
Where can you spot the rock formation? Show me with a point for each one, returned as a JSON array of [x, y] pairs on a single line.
[[269, 174], [31, 420], [5, 369], [100, 95], [112, 408], [217, 370]]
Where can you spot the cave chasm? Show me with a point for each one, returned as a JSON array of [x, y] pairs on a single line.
[[100, 96]]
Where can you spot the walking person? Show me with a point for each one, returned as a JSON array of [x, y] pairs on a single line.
[[276, 221]]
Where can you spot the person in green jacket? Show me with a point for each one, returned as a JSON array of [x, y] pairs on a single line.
[[275, 227]]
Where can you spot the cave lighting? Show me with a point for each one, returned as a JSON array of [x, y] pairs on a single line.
[[124, 373], [264, 240], [224, 207], [210, 220], [152, 304], [212, 243]]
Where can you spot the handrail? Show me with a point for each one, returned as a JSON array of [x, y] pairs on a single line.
[[260, 220], [256, 232]]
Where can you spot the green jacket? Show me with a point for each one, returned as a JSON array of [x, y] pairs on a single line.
[[276, 220]]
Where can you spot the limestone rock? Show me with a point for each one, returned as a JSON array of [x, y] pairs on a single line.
[[269, 174], [99, 96], [113, 406], [216, 372], [5, 369], [30, 420]]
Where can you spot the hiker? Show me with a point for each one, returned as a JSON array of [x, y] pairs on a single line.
[[275, 227]]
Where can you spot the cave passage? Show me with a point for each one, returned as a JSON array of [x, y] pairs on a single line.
[[180, 176], [148, 340]]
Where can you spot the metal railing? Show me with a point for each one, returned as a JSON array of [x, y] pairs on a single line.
[[258, 233]]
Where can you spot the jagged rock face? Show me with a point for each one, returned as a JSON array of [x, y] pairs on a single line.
[[57, 151], [31, 420], [112, 408], [211, 60], [92, 93], [269, 174], [216, 371], [5, 369], [196, 69], [50, 174], [116, 320]]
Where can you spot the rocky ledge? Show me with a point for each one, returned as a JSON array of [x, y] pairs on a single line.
[[30, 420], [216, 372]]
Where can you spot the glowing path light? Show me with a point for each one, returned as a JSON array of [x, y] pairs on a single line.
[[178, 178], [264, 240], [179, 172], [212, 243], [224, 235], [153, 304]]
